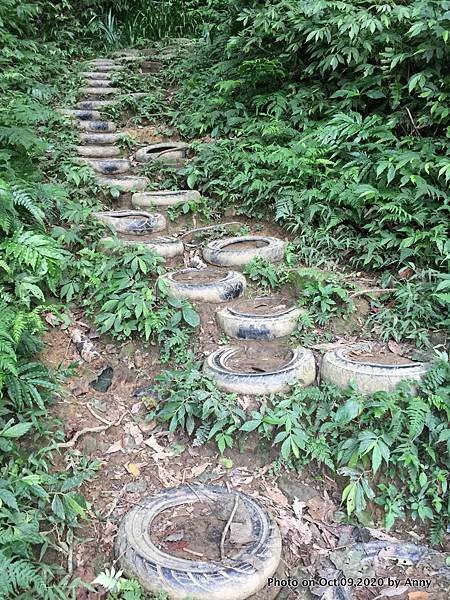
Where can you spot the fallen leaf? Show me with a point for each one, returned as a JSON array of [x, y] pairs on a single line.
[[136, 407], [381, 535], [320, 509], [390, 592], [226, 462], [418, 596], [116, 447], [109, 533], [276, 496], [133, 430], [174, 537], [199, 469], [394, 347], [133, 469]]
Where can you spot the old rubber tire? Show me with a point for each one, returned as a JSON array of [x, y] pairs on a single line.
[[164, 198], [157, 571], [164, 246], [107, 166], [370, 377], [227, 286], [222, 254], [167, 152], [132, 221], [124, 184], [241, 323], [300, 368], [96, 126]]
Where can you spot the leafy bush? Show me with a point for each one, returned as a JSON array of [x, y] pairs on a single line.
[[393, 448]]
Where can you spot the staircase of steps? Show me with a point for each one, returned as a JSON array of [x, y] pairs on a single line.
[[265, 321]]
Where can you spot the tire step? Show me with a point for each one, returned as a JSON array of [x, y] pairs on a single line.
[[133, 221], [164, 198], [205, 285], [96, 75], [108, 167], [167, 247], [129, 183], [98, 83], [98, 151], [94, 104], [225, 253], [102, 126], [99, 91], [93, 138], [81, 114]]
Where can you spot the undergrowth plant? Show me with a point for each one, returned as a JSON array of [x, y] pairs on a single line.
[[392, 448]]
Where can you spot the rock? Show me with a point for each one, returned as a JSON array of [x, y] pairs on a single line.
[[295, 489], [89, 444], [103, 381], [136, 487]]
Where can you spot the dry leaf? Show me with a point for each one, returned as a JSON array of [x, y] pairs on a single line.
[[394, 347], [109, 533], [116, 447], [276, 496], [199, 469], [389, 592], [381, 535], [136, 407], [133, 469], [133, 430], [320, 509], [418, 596]]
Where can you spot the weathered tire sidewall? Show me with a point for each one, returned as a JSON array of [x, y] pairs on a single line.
[[163, 198], [257, 327], [132, 221], [300, 369], [169, 152], [231, 286], [339, 370], [220, 252], [165, 247], [180, 578]]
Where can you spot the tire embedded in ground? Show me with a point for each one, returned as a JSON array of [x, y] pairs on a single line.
[[104, 151], [128, 183], [99, 91], [371, 376], [244, 574], [82, 115], [107, 166], [300, 368], [99, 138], [132, 221], [239, 251], [165, 246], [96, 126], [204, 285], [94, 104], [96, 75], [164, 198], [259, 319], [169, 152]]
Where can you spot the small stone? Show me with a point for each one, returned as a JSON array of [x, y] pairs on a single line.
[[296, 490]]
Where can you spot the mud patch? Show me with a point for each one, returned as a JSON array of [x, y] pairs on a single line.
[[261, 307], [199, 276], [259, 358]]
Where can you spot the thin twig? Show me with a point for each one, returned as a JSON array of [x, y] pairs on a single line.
[[412, 121], [373, 291], [226, 528], [115, 502], [192, 552], [100, 418], [193, 491], [71, 443], [209, 227]]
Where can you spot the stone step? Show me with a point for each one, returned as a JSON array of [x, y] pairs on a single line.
[[108, 166], [99, 138], [106, 126], [128, 183], [98, 151]]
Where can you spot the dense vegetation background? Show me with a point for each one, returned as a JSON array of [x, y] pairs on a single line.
[[332, 117]]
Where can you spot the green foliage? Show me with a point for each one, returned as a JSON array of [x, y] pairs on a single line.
[[189, 400], [337, 114], [392, 448]]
